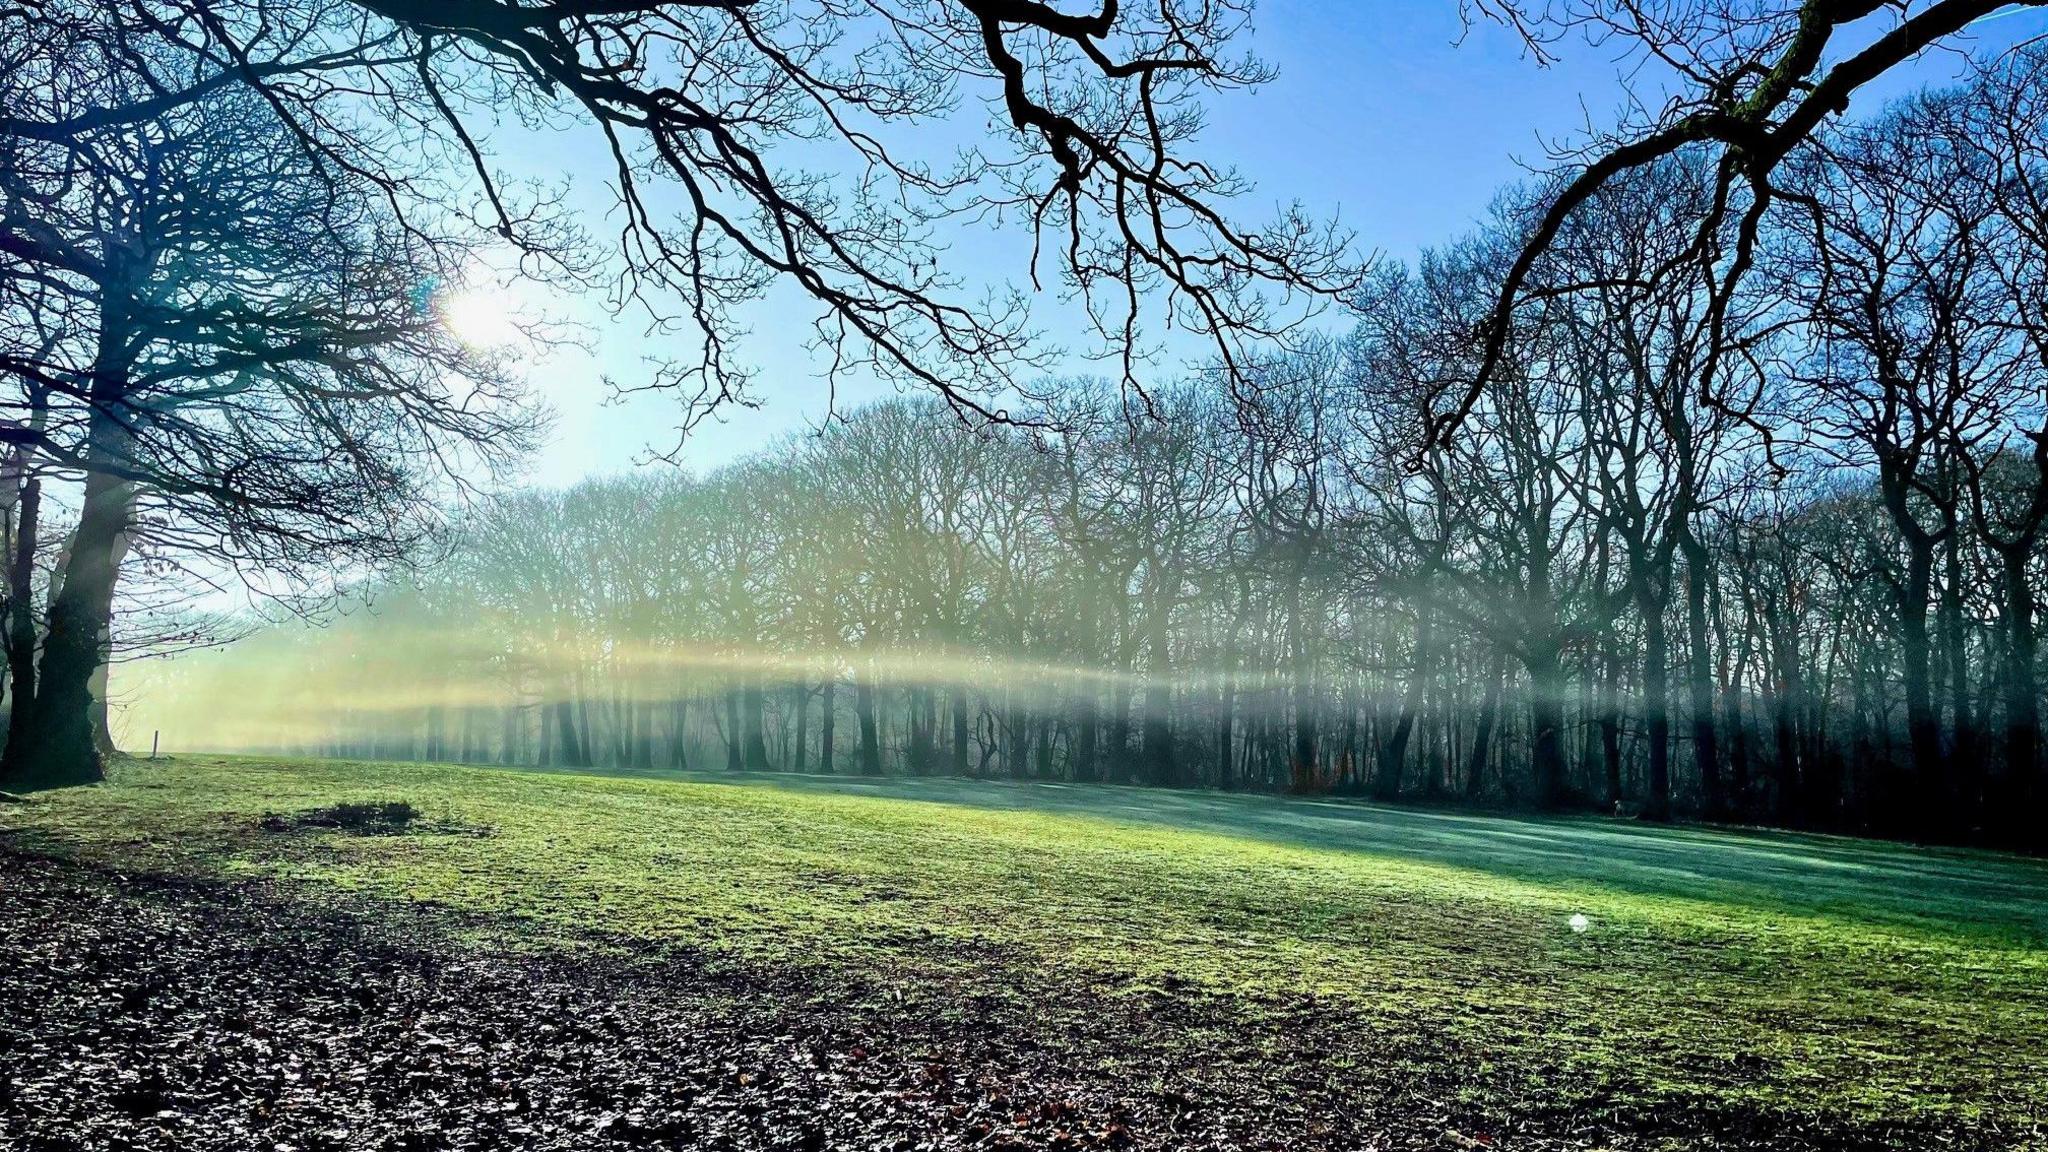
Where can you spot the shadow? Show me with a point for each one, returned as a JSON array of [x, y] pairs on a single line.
[[1979, 894]]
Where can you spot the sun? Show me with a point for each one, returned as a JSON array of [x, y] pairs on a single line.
[[479, 318]]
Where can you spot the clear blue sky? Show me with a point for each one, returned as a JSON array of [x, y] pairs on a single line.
[[1382, 114]]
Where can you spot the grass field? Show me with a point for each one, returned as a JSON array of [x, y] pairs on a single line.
[[1794, 978]]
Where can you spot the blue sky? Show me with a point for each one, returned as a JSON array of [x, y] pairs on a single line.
[[1388, 114]]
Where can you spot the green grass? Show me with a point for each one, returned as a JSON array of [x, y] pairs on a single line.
[[1763, 972]]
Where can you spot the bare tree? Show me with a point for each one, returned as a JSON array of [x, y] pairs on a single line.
[[1749, 82], [262, 364], [1908, 364]]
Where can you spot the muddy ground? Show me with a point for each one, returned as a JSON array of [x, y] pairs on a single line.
[[154, 1013]]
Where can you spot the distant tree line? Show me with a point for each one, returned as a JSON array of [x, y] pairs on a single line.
[[228, 225], [1773, 556], [229, 230]]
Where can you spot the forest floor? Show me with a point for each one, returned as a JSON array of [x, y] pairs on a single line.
[[210, 953]]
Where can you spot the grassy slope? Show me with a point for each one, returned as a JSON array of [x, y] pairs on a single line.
[[1775, 972]]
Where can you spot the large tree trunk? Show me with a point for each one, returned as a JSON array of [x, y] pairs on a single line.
[[573, 753], [53, 744], [56, 746], [1546, 722], [752, 702], [102, 713], [678, 734]]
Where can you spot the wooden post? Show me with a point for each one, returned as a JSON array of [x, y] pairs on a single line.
[[154, 736]]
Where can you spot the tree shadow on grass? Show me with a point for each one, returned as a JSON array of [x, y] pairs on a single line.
[[1956, 892]]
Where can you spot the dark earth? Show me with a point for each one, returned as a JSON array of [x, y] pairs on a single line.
[[152, 1013]]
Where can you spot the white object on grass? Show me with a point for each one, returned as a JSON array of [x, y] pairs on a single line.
[[1579, 922]]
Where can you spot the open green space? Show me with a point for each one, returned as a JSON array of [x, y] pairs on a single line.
[[1770, 974]]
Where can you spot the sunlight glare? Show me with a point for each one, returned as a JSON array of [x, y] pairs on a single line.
[[480, 318]]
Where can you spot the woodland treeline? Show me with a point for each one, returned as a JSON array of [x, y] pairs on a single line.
[[233, 235], [1804, 593], [1708, 477]]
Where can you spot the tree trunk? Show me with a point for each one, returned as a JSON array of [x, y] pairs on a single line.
[[1394, 753], [1656, 707], [735, 755], [571, 741], [2022, 698], [1733, 667], [1964, 767], [1116, 766], [56, 746], [924, 733], [1786, 705], [1923, 726], [957, 698], [828, 716], [864, 713], [800, 699], [1307, 768], [752, 702], [53, 744], [1157, 748], [1482, 740], [643, 742], [1546, 722], [1699, 676], [678, 734], [1225, 710], [21, 603], [1085, 734], [1610, 725]]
